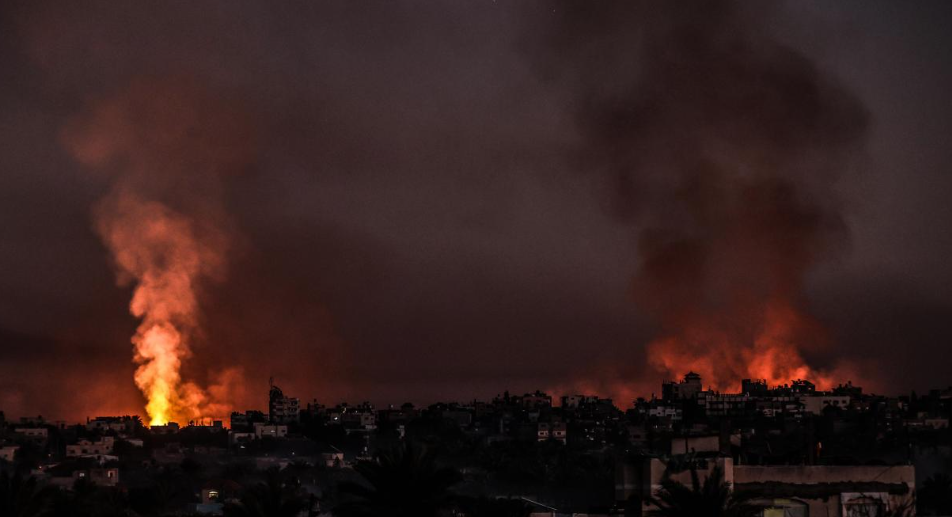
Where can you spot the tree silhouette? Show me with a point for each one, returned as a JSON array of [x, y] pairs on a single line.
[[713, 498], [21, 496], [86, 499], [273, 497], [873, 507], [935, 497], [904, 508], [402, 482]]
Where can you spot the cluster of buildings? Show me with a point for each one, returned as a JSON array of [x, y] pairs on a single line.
[[64, 454], [793, 449]]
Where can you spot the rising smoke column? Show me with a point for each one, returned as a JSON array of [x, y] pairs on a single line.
[[723, 146], [158, 250], [164, 145]]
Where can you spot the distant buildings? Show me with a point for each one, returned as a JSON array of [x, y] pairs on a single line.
[[815, 404], [794, 491], [38, 435], [118, 424], [282, 409], [755, 397], [536, 400], [361, 418], [256, 425], [169, 428], [686, 389], [262, 430], [103, 446], [101, 476], [245, 421], [545, 431], [797, 451]]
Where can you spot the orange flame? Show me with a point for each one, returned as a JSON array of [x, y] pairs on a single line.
[[723, 358], [159, 250], [165, 140], [157, 349]]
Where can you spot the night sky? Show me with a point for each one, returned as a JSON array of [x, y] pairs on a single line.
[[441, 200]]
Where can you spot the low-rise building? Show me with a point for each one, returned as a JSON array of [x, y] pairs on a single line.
[[245, 421], [674, 413], [103, 446], [169, 428], [36, 434], [8, 452], [263, 430], [103, 476], [571, 401], [536, 400], [815, 404], [111, 423], [542, 431], [239, 437], [797, 491], [719, 404]]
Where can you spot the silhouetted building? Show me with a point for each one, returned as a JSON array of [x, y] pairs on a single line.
[[686, 389], [100, 447], [282, 409], [803, 387], [244, 421], [753, 387], [536, 400]]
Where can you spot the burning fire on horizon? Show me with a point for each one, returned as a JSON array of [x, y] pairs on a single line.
[[158, 250], [722, 147], [165, 144]]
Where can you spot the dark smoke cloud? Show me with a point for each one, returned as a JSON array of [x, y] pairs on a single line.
[[418, 222], [724, 147]]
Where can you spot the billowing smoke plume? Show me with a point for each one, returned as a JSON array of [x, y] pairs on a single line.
[[165, 144], [723, 146]]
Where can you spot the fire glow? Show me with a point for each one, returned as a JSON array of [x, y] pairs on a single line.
[[724, 148], [164, 143], [726, 286], [157, 249], [723, 361]]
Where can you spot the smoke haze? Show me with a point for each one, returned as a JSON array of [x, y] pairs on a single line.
[[164, 140], [724, 146], [424, 201]]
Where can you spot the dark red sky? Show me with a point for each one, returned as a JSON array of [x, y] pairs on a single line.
[[416, 221]]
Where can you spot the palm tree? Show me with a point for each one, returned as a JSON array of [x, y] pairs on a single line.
[[936, 495], [904, 508], [270, 498], [713, 498], [20, 496], [872, 507], [402, 482]]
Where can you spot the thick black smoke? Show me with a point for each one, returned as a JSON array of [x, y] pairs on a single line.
[[724, 147], [442, 195]]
